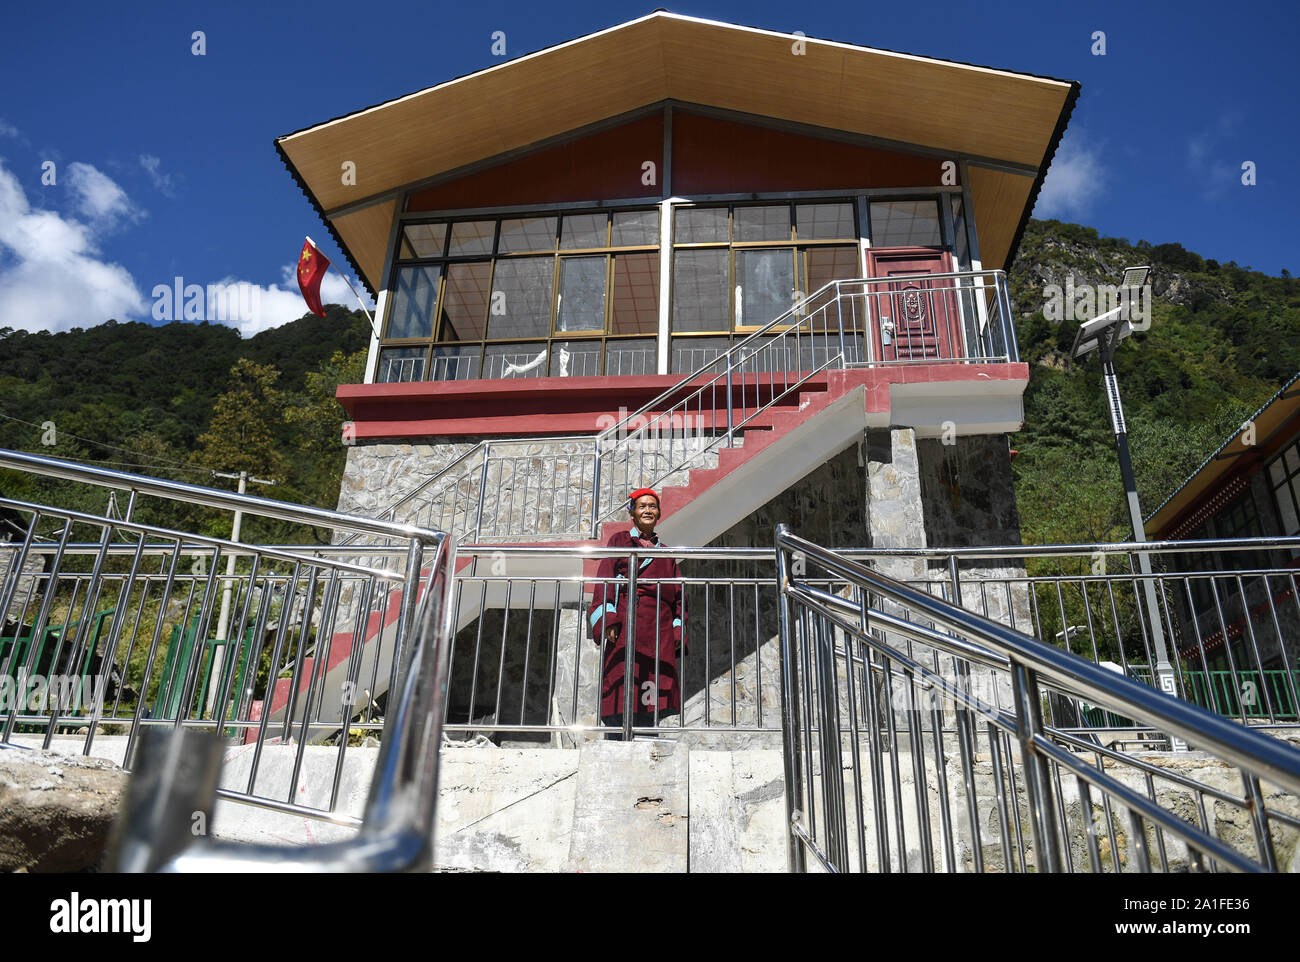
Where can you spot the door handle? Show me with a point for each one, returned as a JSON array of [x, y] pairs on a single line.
[[886, 331]]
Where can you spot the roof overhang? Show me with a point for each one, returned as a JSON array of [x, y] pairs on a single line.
[[1006, 124], [1259, 440]]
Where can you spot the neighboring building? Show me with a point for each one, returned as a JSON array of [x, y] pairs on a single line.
[[558, 240], [1249, 487]]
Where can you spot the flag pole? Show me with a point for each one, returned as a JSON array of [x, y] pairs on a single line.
[[360, 302]]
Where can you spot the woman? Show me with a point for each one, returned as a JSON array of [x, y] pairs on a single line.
[[660, 616]]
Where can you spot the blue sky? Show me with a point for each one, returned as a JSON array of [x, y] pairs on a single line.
[[164, 166]]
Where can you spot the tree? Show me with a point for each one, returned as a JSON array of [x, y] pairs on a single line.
[[240, 434]]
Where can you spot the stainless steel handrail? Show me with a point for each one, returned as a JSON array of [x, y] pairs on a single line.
[[1028, 660], [796, 310], [396, 833], [209, 497]]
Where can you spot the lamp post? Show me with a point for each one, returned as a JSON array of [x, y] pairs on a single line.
[[1104, 333]]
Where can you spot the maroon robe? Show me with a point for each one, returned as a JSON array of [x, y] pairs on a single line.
[[660, 620]]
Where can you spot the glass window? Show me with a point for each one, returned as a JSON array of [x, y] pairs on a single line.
[[820, 266], [583, 231], [700, 225], [471, 237], [640, 356], [521, 298], [464, 302], [582, 294], [765, 285], [398, 364], [824, 222], [575, 358], [454, 362], [423, 240], [636, 294], [525, 235], [691, 353], [414, 296], [762, 223], [960, 242], [1284, 479], [701, 290], [905, 223], [515, 360], [638, 228]]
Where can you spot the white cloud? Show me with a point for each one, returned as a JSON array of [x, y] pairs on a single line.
[[1073, 182], [51, 277], [253, 308], [9, 130], [98, 196], [163, 183]]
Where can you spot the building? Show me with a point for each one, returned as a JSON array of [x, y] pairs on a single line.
[[613, 262], [1249, 487]]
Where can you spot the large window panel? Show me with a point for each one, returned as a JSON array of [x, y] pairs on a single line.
[[701, 290], [640, 356], [582, 294], [638, 228], [414, 297], [821, 265], [400, 364], [762, 224], [584, 231], [454, 362], [465, 301], [471, 238], [521, 298], [422, 240], [905, 223], [527, 235], [691, 353], [765, 279], [515, 360], [825, 222], [700, 225], [636, 293], [575, 358]]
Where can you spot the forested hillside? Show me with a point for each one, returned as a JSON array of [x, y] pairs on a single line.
[[1222, 340], [183, 400]]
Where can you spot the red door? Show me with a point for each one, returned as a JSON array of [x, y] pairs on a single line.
[[913, 319]]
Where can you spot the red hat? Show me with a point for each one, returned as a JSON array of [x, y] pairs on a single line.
[[640, 492]]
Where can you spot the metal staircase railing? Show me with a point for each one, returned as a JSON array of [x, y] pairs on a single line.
[[915, 739], [581, 481]]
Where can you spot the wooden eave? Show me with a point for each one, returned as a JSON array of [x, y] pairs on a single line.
[[1008, 119], [1282, 408]]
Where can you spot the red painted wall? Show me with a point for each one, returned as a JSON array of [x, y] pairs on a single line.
[[597, 167], [712, 156]]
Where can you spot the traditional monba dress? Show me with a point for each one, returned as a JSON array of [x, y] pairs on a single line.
[[660, 617]]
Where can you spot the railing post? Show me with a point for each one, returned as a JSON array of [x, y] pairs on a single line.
[[789, 711], [1038, 787], [729, 421], [595, 491], [482, 492], [839, 312], [629, 646]]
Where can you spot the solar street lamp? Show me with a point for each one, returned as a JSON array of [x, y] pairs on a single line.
[[1103, 333]]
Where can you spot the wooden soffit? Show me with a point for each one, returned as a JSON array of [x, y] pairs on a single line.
[[970, 111], [1273, 425]]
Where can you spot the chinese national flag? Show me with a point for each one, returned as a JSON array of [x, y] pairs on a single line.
[[312, 265]]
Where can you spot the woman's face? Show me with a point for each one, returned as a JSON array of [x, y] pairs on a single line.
[[645, 513]]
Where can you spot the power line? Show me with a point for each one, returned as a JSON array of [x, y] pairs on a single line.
[[105, 444]]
